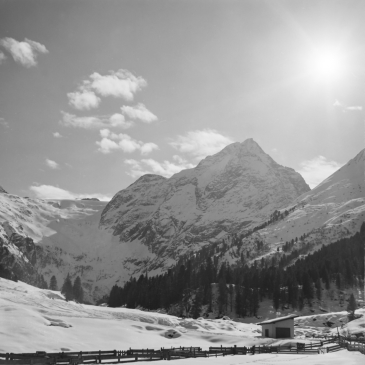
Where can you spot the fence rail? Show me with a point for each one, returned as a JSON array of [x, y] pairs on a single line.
[[173, 353]]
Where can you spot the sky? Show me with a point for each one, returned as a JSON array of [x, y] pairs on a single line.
[[94, 94]]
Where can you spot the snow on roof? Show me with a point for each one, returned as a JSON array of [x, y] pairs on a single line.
[[274, 320]]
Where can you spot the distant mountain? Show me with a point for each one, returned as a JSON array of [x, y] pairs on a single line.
[[333, 210], [235, 201], [2, 190], [232, 190]]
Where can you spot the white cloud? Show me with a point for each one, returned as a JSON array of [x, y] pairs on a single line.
[[54, 192], [354, 108], [71, 120], [83, 99], [316, 170], [148, 147], [140, 112], [2, 57], [52, 164], [119, 84], [94, 122], [201, 143], [25, 52], [57, 135], [112, 141], [344, 108], [118, 120], [150, 166]]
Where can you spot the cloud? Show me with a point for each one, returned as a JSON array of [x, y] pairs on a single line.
[[118, 120], [83, 99], [201, 143], [344, 108], [52, 164], [4, 123], [54, 192], [2, 57], [354, 108], [57, 135], [119, 84], [150, 166], [140, 112], [112, 141], [94, 122], [25, 52], [316, 170]]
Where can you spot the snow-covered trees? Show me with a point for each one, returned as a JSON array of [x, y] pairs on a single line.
[[294, 285]]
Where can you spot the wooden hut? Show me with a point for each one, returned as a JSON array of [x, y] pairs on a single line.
[[282, 327]]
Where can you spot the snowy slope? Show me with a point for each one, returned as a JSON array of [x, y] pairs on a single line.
[[331, 211], [234, 189], [32, 320], [155, 220]]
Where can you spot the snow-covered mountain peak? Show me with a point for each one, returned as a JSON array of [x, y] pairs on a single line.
[[148, 179], [156, 220], [345, 184], [237, 187]]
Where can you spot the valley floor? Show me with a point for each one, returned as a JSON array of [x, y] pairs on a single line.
[[33, 319], [343, 357]]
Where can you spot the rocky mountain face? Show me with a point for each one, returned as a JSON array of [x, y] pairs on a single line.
[[2, 190], [333, 210], [150, 224], [230, 191], [41, 238]]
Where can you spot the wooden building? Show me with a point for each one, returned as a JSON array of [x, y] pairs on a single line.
[[282, 327]]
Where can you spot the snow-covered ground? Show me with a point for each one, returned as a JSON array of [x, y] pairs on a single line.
[[336, 358], [33, 319]]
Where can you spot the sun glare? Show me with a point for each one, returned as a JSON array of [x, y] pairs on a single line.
[[327, 64]]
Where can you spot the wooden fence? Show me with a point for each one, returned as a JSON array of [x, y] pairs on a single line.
[[173, 353]]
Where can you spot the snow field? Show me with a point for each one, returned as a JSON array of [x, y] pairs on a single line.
[[33, 319]]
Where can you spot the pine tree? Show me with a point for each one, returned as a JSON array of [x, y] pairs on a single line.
[[53, 283], [77, 290], [255, 302], [67, 288], [197, 304], [114, 297], [351, 307], [231, 288], [238, 300], [222, 294], [42, 283], [319, 289]]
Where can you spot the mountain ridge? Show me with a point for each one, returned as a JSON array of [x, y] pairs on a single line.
[[237, 187], [151, 224]]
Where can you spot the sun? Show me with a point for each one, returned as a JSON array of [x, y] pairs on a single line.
[[326, 64]]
